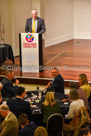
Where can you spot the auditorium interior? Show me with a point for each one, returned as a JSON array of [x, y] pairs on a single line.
[[66, 43]]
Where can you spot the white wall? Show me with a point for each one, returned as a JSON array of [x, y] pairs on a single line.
[[5, 21], [59, 17], [22, 11], [82, 19]]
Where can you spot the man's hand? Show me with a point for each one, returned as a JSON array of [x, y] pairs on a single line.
[[48, 85], [64, 100]]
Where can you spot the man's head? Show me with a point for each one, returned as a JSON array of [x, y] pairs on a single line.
[[4, 110], [9, 74], [54, 72], [23, 120], [34, 14], [21, 92]]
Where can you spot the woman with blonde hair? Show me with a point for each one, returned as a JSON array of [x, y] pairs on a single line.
[[40, 131], [50, 106], [83, 82]]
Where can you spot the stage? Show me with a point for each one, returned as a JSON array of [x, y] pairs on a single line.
[[72, 58]]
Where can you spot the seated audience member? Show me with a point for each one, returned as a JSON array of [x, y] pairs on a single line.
[[50, 106], [9, 126], [27, 129], [83, 82], [9, 90], [84, 132], [81, 93], [58, 82], [75, 104], [40, 131], [18, 105]]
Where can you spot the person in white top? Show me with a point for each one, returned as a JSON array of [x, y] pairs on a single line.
[[75, 105]]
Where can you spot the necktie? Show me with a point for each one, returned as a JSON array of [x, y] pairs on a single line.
[[33, 26]]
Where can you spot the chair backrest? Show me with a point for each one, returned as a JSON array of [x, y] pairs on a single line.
[[54, 125]]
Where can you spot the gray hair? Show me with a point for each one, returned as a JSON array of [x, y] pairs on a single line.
[[4, 107]]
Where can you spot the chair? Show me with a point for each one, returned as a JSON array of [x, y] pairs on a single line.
[[80, 120], [54, 125]]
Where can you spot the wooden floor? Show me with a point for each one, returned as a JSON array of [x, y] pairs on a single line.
[[71, 57]]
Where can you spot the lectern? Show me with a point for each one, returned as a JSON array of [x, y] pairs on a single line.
[[31, 54]]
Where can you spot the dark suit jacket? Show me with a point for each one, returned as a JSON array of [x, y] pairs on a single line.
[[19, 106], [57, 85], [10, 126], [40, 25], [8, 90], [28, 130]]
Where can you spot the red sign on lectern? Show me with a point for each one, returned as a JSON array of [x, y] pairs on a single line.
[[29, 52]]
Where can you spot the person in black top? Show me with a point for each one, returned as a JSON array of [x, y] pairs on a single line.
[[8, 89], [18, 105], [57, 84], [27, 128]]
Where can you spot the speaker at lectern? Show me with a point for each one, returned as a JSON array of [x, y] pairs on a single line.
[[31, 53]]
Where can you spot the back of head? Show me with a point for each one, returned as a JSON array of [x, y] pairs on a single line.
[[73, 85], [74, 94], [20, 90], [49, 99], [40, 131], [23, 119]]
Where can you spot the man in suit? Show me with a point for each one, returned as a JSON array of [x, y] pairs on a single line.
[[18, 105], [27, 128], [39, 24], [57, 84], [9, 126], [8, 89]]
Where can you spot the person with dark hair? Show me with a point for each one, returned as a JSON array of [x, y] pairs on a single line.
[[35, 24], [9, 126], [27, 128], [83, 82], [8, 89], [18, 105], [84, 132], [57, 84]]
